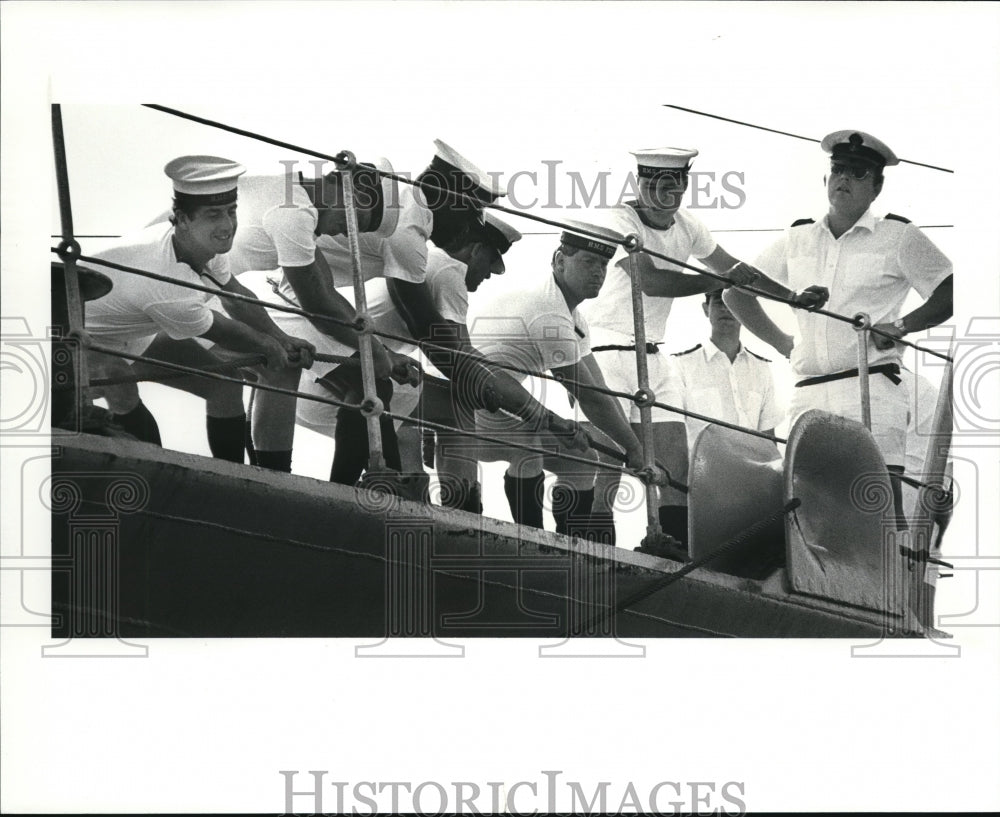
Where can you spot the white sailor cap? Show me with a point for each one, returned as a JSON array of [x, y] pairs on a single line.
[[498, 233], [605, 243], [858, 145], [389, 190], [462, 176], [655, 162], [211, 179]]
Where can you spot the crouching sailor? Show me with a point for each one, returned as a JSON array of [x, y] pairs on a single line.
[[541, 329], [169, 322]]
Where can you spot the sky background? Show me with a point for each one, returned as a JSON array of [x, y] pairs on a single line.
[[512, 86]]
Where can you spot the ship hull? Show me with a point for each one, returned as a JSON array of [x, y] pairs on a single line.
[[154, 543]]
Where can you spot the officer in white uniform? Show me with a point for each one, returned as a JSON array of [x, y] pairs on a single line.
[[167, 322], [723, 379], [669, 229], [869, 264]]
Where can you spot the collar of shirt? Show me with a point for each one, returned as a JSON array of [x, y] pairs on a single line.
[[710, 350], [866, 222]]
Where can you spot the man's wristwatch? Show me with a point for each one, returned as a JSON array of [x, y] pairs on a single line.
[[898, 324]]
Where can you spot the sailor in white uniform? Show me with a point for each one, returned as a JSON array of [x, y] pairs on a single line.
[[455, 190], [286, 216], [171, 323], [669, 229], [869, 264], [542, 329], [450, 277]]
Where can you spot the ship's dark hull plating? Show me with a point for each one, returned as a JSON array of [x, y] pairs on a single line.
[[153, 543]]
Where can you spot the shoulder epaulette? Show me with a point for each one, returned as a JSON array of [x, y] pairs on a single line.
[[894, 217], [687, 351], [759, 357], [802, 221]]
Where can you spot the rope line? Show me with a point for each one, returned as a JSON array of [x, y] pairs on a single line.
[[182, 370], [689, 567], [916, 483], [786, 133], [241, 132], [522, 446]]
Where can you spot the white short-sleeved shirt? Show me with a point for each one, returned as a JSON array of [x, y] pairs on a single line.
[[446, 281], [871, 268], [611, 311], [740, 392], [137, 309], [403, 254], [277, 225], [532, 328]]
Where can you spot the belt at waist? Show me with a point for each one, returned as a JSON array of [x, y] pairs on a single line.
[[651, 348], [890, 370]]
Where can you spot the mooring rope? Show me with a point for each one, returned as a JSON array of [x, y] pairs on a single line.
[[786, 133], [689, 567]]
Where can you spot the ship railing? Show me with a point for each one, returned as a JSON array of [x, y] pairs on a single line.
[[371, 407]]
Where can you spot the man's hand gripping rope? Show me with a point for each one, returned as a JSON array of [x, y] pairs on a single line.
[[573, 436]]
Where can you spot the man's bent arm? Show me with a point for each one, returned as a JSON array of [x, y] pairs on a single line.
[[602, 410], [934, 311], [751, 314], [313, 285], [667, 283], [252, 315], [239, 337], [421, 316]]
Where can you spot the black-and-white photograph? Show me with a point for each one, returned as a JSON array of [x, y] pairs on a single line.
[[610, 351]]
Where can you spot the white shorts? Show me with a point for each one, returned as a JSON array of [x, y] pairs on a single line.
[[619, 370], [295, 325], [300, 327], [322, 417], [889, 409]]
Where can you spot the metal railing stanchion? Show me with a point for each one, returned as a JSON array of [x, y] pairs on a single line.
[[634, 246], [372, 404], [862, 325]]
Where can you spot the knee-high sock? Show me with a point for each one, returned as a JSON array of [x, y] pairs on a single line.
[[473, 498], [226, 437], [460, 493], [275, 460], [674, 521], [601, 528], [140, 424], [524, 495], [350, 456], [571, 508]]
